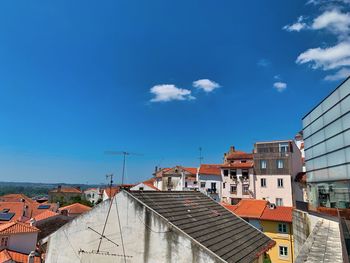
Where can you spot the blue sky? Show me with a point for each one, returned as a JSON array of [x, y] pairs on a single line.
[[159, 78]]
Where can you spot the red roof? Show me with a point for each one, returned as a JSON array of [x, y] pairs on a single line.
[[239, 155], [66, 190], [16, 228], [13, 256], [248, 208], [210, 169], [16, 198], [191, 170], [239, 165], [111, 192], [14, 207], [76, 208], [151, 185], [280, 213], [44, 215]]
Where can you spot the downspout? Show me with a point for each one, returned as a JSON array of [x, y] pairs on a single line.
[[291, 241]]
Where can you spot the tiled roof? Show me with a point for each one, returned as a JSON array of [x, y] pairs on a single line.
[[249, 208], [214, 227], [210, 169], [161, 171], [13, 256], [16, 228], [191, 170], [151, 185], [16, 198], [239, 165], [76, 208], [44, 215], [111, 191], [239, 155], [280, 213], [66, 190], [14, 207]]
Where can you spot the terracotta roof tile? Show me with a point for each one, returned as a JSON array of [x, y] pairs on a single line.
[[111, 192], [16, 198], [66, 190], [6, 255], [76, 208], [249, 208], [191, 170], [16, 228], [239, 165], [210, 169], [280, 213], [151, 185], [239, 155], [44, 215], [14, 207]]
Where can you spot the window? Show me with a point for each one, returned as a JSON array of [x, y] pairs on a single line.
[[4, 241], [284, 147], [282, 228], [280, 164], [225, 172], [243, 161], [245, 174], [245, 189], [283, 251], [280, 182], [263, 182], [169, 180], [141, 188], [213, 186], [202, 184], [233, 188], [223, 185], [279, 202], [186, 184], [263, 164], [233, 174]]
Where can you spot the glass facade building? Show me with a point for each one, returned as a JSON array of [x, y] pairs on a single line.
[[327, 150]]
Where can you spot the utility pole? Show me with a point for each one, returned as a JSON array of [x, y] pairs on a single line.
[[200, 156], [124, 153]]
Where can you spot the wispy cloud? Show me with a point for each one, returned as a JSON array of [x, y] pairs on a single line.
[[297, 26], [327, 58], [280, 86], [169, 92], [206, 85], [263, 62], [339, 75]]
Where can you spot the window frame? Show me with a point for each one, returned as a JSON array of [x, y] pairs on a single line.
[[284, 251], [263, 167], [263, 180], [202, 184], [277, 203], [235, 186], [279, 181], [282, 228], [280, 164]]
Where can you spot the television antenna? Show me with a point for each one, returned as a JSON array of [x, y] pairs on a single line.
[[124, 153], [200, 155]]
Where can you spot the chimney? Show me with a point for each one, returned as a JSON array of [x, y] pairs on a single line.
[[59, 188], [32, 222], [64, 212], [31, 257], [156, 169], [232, 149]]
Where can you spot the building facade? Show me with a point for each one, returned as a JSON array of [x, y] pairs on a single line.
[[326, 131], [210, 181], [238, 179], [276, 163], [177, 178]]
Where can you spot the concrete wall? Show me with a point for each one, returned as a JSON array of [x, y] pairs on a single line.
[[271, 191], [143, 186], [24, 243], [147, 237]]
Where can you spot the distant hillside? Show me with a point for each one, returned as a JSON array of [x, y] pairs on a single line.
[[34, 189]]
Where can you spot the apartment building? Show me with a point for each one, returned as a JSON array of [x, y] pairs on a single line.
[[276, 163], [327, 150], [210, 180], [238, 179]]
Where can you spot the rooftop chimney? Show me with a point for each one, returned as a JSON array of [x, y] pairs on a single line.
[[32, 222], [232, 149], [59, 188]]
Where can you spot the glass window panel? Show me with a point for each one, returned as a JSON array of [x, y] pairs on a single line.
[[306, 121], [318, 137], [346, 121], [336, 158], [332, 114], [307, 132], [337, 173], [335, 143], [344, 89], [330, 101], [309, 165], [316, 125], [346, 138], [316, 113], [345, 105], [347, 154], [320, 162], [307, 143], [333, 128], [319, 149]]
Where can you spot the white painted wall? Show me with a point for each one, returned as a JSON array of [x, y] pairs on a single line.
[[146, 237], [143, 186], [24, 243], [271, 191], [208, 180], [92, 195]]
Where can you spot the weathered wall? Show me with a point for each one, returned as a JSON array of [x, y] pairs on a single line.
[[147, 237], [24, 243]]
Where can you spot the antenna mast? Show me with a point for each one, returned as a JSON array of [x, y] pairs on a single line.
[[200, 156]]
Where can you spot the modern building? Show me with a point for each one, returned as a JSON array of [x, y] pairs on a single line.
[[210, 181], [158, 226], [238, 179], [326, 131], [276, 163]]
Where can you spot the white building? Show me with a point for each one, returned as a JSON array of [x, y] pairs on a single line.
[[18, 236], [145, 186], [93, 195], [157, 227], [177, 178], [210, 181]]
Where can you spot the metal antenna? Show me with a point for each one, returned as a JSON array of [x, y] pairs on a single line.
[[200, 156], [124, 153]]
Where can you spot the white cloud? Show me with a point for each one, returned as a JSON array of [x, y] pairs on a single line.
[[327, 58], [334, 21], [297, 26], [277, 77], [263, 62], [339, 75], [206, 84], [280, 86], [169, 92]]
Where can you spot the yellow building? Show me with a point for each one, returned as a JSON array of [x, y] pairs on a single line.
[[276, 222]]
